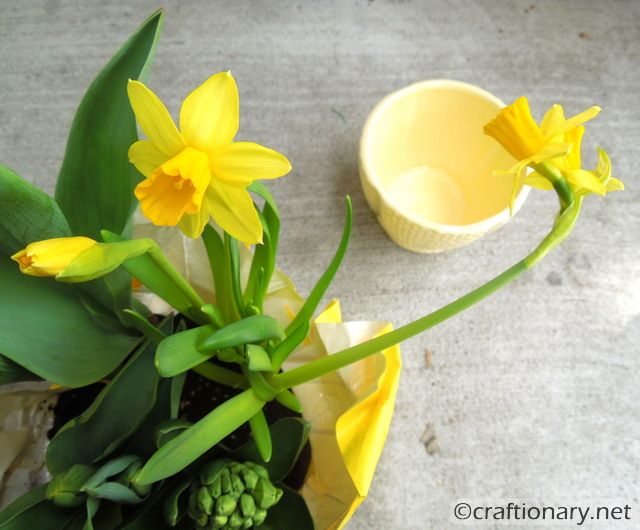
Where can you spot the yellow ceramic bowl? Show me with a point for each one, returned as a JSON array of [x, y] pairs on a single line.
[[427, 169]]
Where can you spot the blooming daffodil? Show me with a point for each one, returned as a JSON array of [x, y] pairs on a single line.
[[556, 140], [198, 171]]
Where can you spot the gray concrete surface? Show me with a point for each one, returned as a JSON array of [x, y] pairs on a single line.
[[531, 396]]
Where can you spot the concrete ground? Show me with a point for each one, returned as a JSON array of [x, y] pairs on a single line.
[[531, 397]]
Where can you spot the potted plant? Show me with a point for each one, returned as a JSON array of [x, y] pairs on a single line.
[[221, 398]]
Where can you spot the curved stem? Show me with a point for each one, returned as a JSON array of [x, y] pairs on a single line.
[[339, 360]]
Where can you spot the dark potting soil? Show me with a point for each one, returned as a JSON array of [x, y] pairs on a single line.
[[199, 397]]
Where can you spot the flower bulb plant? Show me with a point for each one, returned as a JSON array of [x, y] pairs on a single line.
[[68, 316]]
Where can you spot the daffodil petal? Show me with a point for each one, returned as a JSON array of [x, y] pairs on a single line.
[[536, 180], [614, 184], [552, 120], [210, 115], [582, 178], [233, 209], [192, 224], [241, 163], [154, 119], [551, 151], [603, 169], [573, 159], [146, 157], [579, 119]]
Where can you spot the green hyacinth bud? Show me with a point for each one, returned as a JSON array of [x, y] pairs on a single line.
[[230, 495]]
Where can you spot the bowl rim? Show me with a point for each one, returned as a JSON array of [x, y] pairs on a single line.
[[370, 175]]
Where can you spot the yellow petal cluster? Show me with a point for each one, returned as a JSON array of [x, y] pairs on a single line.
[[50, 256], [198, 171], [557, 141]]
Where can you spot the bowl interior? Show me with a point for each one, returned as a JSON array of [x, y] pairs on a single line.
[[427, 153]]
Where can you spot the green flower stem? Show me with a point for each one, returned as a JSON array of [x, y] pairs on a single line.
[[221, 375], [356, 353], [218, 261], [232, 259], [179, 281], [561, 228], [560, 185]]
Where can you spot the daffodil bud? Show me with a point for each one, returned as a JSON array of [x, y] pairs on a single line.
[[50, 256], [226, 495]]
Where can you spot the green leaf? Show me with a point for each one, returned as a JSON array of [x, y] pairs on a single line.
[[258, 358], [31, 215], [286, 398], [150, 514], [179, 352], [110, 469], [28, 214], [256, 328], [261, 435], [45, 329], [33, 510], [142, 442], [264, 257], [289, 344], [116, 492], [93, 505], [11, 372], [187, 349], [310, 305], [192, 443], [114, 415], [288, 435], [290, 512], [96, 181], [174, 506]]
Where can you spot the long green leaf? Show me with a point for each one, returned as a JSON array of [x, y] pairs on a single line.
[[288, 436], [255, 328], [264, 257], [261, 435], [11, 372], [31, 215], [96, 181], [309, 307], [46, 330], [28, 214], [34, 511], [114, 415], [179, 352], [192, 443]]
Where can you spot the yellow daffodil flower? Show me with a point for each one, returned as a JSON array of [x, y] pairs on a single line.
[[50, 256], [556, 140], [199, 171]]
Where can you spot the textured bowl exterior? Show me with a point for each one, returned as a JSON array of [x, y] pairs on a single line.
[[405, 229], [413, 236]]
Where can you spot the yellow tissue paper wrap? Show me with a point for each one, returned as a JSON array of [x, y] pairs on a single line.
[[349, 411]]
